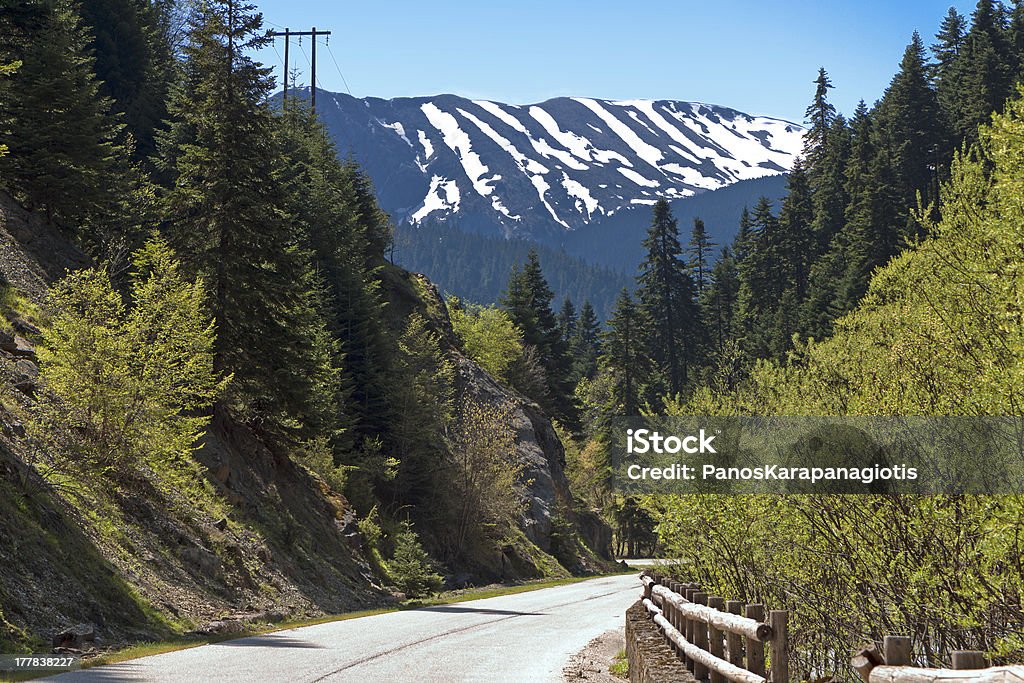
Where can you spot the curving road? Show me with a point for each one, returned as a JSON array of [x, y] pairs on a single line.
[[523, 638]]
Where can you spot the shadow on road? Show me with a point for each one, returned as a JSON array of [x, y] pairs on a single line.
[[271, 641], [108, 673], [455, 609]]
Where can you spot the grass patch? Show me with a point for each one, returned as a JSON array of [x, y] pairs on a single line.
[[620, 667]]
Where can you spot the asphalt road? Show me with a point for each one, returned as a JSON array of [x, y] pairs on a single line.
[[523, 638]]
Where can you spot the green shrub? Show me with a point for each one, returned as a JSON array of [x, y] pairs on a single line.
[[411, 568]]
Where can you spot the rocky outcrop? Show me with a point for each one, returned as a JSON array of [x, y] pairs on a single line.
[[537, 447]]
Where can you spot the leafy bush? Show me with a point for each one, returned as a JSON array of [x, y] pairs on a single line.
[[488, 336], [124, 385]]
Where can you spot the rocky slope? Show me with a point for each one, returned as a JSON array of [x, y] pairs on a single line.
[[551, 515]]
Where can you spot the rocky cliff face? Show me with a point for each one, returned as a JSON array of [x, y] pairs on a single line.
[[579, 541]]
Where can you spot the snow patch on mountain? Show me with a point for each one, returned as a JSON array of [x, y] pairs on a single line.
[[442, 196], [539, 169]]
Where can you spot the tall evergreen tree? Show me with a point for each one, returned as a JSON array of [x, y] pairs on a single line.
[[322, 197], [820, 116], [667, 296], [827, 179], [64, 143], [950, 41], [741, 243], [762, 283], [585, 345], [623, 356], [699, 250], [719, 300], [133, 63], [228, 215], [1016, 39], [567, 320], [796, 231], [980, 78], [528, 302], [909, 129]]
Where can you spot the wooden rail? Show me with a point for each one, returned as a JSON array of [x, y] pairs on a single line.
[[710, 635], [894, 665]]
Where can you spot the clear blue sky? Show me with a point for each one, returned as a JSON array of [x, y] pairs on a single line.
[[759, 57]]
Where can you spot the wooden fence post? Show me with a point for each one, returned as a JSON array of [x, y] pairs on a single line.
[[715, 637], [968, 659], [896, 650], [779, 621], [676, 617], [734, 641], [755, 648], [688, 624], [700, 636]]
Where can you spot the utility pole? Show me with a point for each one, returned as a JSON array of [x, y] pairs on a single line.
[[287, 34]]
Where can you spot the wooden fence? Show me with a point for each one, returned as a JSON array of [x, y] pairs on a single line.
[[713, 638], [895, 665]]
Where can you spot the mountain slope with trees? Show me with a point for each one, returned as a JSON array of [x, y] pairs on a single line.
[[234, 403]]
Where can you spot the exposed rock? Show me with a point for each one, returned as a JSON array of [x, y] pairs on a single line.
[[27, 370], [19, 348], [75, 637], [33, 253], [7, 342], [208, 564], [537, 446]]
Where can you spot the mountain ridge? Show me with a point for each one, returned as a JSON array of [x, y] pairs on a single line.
[[549, 168]]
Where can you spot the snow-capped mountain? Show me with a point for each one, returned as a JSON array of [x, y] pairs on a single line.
[[539, 170]]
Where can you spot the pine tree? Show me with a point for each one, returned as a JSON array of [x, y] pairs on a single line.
[[873, 222], [720, 298], [623, 356], [227, 215], [950, 41], [567, 320], [762, 283], [741, 243], [584, 346], [668, 298], [796, 230], [528, 302], [133, 64], [1016, 39], [827, 179], [908, 127], [62, 140], [980, 77], [698, 249], [820, 116], [322, 197]]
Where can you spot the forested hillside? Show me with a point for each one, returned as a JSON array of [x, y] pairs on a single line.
[[219, 397], [887, 282], [475, 267]]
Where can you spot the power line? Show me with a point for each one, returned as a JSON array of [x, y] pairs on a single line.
[[287, 34], [331, 53]]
